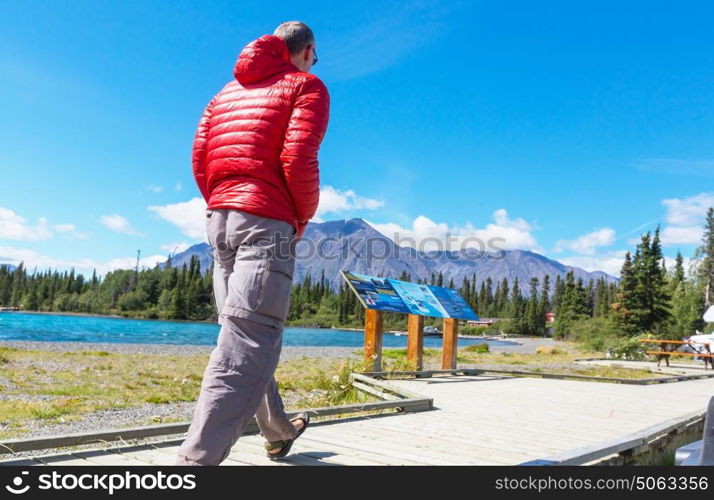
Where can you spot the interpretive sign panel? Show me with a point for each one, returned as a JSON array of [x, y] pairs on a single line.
[[387, 294]]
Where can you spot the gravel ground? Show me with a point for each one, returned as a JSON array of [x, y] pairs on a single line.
[[526, 345], [120, 418], [521, 345], [148, 414], [288, 352]]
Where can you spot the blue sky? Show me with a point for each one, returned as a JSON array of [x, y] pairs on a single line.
[[564, 127]]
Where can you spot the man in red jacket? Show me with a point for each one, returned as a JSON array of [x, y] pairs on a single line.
[[255, 163]]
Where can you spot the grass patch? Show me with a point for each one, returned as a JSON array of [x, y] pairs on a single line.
[[53, 386], [547, 350], [478, 348], [545, 359]]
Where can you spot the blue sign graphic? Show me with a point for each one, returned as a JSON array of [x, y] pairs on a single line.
[[386, 294]]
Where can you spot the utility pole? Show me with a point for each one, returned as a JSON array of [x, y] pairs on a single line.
[[136, 269]]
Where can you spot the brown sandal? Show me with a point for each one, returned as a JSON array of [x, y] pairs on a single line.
[[286, 444]]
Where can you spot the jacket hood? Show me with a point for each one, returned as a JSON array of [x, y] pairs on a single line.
[[263, 58]]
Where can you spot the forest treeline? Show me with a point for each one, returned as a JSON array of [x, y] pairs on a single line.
[[648, 299]]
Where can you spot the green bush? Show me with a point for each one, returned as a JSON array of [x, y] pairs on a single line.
[[594, 334], [471, 330], [480, 348], [628, 348], [503, 325]]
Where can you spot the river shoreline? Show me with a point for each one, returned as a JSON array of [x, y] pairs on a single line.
[[139, 318], [526, 345]]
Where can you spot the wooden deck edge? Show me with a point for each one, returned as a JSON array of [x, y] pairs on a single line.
[[400, 400], [555, 376], [631, 444]]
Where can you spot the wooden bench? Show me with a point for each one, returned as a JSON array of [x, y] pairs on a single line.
[[669, 348]]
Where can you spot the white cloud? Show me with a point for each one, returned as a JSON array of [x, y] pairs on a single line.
[[14, 227], [334, 200], [610, 262], [70, 230], [174, 248], [634, 241], [179, 186], [588, 243], [685, 217], [425, 234], [118, 224], [687, 235], [129, 263], [32, 259], [154, 189], [690, 265], [189, 216], [688, 211]]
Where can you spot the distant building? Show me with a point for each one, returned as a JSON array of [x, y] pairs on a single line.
[[483, 322]]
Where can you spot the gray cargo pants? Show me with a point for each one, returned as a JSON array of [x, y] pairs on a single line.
[[252, 279]]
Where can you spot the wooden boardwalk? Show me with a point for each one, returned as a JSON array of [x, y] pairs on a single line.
[[477, 420]]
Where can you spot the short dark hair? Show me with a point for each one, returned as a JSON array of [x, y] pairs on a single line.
[[296, 35]]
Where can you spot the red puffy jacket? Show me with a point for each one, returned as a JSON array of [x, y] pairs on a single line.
[[256, 144]]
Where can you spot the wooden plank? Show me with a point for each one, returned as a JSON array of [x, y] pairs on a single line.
[[462, 445], [150, 456], [344, 450], [488, 434], [171, 448], [680, 353], [65, 459], [623, 443], [294, 458], [415, 341], [450, 338], [373, 332], [21, 463], [675, 342], [389, 385], [371, 445], [107, 458], [79, 438], [373, 391]]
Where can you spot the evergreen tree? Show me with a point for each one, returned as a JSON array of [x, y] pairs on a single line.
[[544, 304], [707, 267], [626, 308], [679, 269]]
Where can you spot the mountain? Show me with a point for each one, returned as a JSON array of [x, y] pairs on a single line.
[[201, 250], [356, 246], [9, 267]]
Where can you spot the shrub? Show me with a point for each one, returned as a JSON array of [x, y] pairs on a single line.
[[628, 348], [480, 348], [548, 350], [595, 334], [471, 330]]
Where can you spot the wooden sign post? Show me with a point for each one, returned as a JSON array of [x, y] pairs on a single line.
[[448, 349], [415, 341], [416, 300], [373, 328]]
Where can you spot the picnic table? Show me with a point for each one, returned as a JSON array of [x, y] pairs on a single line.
[[669, 348]]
